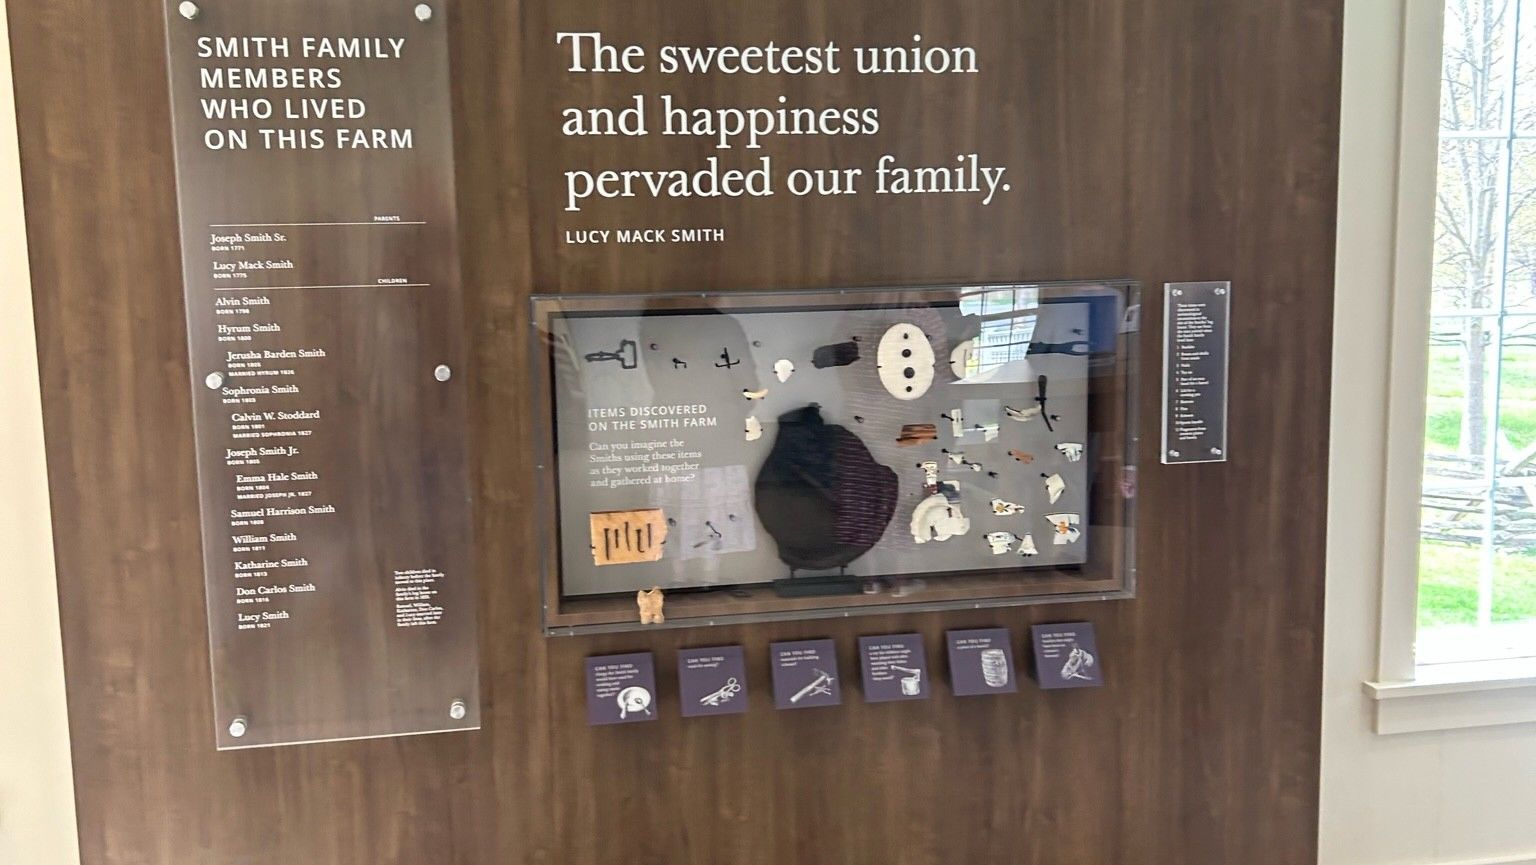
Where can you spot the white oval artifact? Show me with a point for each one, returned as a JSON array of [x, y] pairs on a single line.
[[905, 360], [783, 369]]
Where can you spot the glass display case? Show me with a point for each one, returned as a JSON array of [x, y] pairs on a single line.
[[722, 457]]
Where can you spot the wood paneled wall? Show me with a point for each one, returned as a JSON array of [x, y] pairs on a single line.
[[1175, 140]]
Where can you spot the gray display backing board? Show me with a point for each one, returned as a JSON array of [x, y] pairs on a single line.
[[851, 396]]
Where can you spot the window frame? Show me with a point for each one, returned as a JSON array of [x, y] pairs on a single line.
[[1411, 697]]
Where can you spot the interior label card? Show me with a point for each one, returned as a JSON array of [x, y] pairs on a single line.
[[894, 667], [981, 662], [1066, 656], [1196, 331], [712, 681], [621, 689], [805, 674]]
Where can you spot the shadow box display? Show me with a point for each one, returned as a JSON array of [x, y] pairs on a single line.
[[727, 457]]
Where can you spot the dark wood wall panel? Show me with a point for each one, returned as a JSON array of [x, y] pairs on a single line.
[[1169, 140]]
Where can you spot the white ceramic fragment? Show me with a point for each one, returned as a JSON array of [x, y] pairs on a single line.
[[1073, 451], [937, 519], [930, 472], [958, 458], [1022, 415], [1001, 542], [905, 361], [1055, 485], [783, 369], [960, 358], [754, 428], [1006, 509], [957, 422], [755, 394], [1027, 546], [1065, 528]]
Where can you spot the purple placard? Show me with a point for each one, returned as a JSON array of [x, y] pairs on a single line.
[[712, 681], [981, 662], [805, 674], [895, 668], [621, 689], [1067, 656]]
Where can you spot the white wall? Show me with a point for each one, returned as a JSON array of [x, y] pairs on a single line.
[[37, 807], [1463, 796]]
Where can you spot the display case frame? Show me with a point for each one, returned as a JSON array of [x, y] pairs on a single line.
[[1108, 571]]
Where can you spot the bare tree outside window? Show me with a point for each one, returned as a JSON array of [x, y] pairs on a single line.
[[1478, 531]]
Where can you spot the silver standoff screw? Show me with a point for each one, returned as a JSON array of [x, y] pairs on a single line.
[[457, 710], [423, 12], [189, 10], [238, 727], [1215, 452], [215, 380], [443, 372], [1174, 454]]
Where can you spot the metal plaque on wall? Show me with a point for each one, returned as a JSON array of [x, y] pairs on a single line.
[[314, 161], [1196, 328]]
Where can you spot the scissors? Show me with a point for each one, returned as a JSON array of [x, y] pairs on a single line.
[[724, 695]]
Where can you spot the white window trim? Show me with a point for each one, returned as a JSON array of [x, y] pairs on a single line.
[[1409, 697]]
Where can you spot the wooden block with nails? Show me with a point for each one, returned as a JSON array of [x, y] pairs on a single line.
[[628, 537]]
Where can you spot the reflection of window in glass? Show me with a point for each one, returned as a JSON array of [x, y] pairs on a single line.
[[1477, 544], [1007, 326]]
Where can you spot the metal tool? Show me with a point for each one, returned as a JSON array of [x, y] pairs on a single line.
[[627, 355], [1040, 398]]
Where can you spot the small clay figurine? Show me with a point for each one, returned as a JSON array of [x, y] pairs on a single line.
[[650, 603]]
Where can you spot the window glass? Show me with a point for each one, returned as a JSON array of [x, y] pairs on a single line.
[[1477, 544]]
